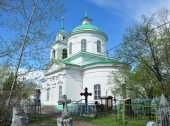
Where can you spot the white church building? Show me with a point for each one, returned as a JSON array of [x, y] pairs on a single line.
[[78, 60]]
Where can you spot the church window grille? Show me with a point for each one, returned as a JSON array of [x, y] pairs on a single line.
[[83, 45], [48, 94], [64, 53], [97, 92], [98, 46], [60, 92], [70, 48], [53, 55]]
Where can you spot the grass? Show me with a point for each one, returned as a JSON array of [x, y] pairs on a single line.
[[42, 119], [109, 121]]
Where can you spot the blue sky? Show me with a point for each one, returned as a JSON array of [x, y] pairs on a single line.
[[111, 16]]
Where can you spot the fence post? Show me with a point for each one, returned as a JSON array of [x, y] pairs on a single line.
[[118, 112], [156, 112], [123, 112]]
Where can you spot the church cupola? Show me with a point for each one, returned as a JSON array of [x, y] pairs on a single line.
[[86, 38], [86, 20]]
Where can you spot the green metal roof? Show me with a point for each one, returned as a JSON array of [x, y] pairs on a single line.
[[86, 26], [88, 58]]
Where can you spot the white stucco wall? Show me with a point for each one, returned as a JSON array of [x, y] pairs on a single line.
[[91, 45], [74, 80], [71, 81], [98, 75], [73, 84], [53, 82]]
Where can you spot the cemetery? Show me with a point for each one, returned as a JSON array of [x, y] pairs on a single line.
[[109, 112], [58, 68]]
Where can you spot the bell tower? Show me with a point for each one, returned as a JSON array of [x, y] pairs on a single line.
[[59, 48]]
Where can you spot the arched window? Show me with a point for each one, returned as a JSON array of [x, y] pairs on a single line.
[[64, 53], [53, 55], [48, 94], [83, 45], [70, 48], [98, 46], [60, 92], [97, 92]]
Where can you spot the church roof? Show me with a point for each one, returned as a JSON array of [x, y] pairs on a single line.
[[87, 59], [86, 26]]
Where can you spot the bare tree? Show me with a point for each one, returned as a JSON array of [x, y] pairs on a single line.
[[28, 23], [26, 38]]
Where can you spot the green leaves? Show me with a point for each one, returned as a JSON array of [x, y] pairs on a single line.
[[146, 47]]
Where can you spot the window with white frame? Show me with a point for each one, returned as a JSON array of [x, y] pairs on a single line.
[[98, 46], [70, 48], [48, 94], [60, 92], [83, 45], [53, 53], [97, 92]]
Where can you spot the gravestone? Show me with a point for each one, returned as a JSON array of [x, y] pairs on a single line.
[[164, 111], [65, 120], [37, 102], [37, 97], [86, 94], [19, 117], [150, 123]]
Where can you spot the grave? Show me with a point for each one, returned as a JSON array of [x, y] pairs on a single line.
[[164, 112], [19, 117], [66, 119], [37, 102], [86, 94], [128, 108], [107, 102]]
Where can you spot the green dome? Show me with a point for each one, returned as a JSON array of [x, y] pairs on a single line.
[[86, 26]]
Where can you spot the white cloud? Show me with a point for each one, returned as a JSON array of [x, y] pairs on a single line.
[[35, 75], [132, 8]]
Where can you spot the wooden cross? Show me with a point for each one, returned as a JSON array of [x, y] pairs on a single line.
[[86, 94], [64, 102]]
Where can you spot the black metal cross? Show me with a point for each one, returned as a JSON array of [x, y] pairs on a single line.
[[86, 94]]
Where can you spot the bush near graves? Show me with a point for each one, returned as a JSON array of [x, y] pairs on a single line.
[[6, 111]]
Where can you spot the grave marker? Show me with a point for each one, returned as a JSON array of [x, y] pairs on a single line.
[[65, 120], [19, 117], [86, 94], [64, 102]]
